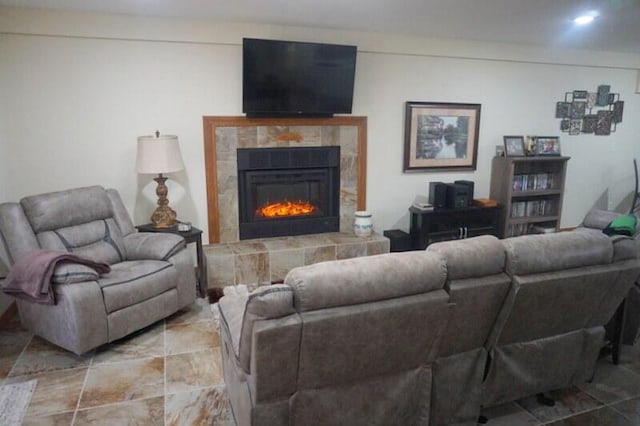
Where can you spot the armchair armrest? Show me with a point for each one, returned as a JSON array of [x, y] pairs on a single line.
[[150, 245]]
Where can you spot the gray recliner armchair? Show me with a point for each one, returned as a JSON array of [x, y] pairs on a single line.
[[151, 275]]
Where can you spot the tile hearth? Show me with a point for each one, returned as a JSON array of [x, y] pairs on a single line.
[[263, 261]]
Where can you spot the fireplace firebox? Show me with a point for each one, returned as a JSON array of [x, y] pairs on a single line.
[[288, 191]]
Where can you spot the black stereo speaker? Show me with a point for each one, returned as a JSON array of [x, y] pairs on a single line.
[[457, 196], [438, 195], [469, 185]]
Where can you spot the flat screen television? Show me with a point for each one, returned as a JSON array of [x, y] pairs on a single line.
[[291, 79]]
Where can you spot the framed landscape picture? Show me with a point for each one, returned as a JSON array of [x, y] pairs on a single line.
[[441, 136]]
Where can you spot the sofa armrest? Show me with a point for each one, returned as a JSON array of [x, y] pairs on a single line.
[[232, 309], [240, 312], [599, 219], [151, 245]]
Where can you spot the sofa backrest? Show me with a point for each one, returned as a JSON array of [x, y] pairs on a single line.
[[478, 285], [389, 309], [365, 279], [80, 220], [562, 282]]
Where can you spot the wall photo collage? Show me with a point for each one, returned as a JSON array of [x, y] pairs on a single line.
[[587, 112]]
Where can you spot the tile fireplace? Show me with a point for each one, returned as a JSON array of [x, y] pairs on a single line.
[[224, 136], [288, 191], [257, 261]]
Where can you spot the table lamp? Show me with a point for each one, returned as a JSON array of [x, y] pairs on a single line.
[[160, 154]]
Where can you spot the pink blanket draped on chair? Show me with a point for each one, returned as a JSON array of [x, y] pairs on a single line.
[[30, 275]]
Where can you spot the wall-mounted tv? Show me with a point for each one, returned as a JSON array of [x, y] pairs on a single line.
[[291, 79]]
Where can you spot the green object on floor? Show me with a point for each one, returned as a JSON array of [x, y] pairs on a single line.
[[623, 225]]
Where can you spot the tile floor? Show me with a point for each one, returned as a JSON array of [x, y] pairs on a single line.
[[167, 374], [170, 374]]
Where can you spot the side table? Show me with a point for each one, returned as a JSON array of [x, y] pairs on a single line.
[[192, 236]]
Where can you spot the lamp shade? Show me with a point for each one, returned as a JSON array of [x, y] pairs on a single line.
[[158, 154]]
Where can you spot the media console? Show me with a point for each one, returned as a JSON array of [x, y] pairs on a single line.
[[430, 226]]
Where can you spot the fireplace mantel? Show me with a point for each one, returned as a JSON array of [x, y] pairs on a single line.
[[223, 135]]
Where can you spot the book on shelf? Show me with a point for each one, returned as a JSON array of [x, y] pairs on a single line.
[[533, 182], [543, 207], [518, 229]]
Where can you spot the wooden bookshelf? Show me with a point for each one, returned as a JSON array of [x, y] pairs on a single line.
[[531, 189]]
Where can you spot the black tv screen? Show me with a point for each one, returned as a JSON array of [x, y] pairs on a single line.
[[285, 78]]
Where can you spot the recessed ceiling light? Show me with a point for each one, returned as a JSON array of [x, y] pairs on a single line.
[[585, 19]]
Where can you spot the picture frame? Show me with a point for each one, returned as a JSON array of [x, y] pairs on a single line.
[[514, 146], [563, 109], [589, 123], [547, 145], [440, 136], [603, 122]]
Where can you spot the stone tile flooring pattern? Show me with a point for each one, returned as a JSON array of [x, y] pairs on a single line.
[[171, 374], [167, 374]]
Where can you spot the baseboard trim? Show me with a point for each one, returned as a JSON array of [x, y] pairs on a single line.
[[9, 314], [570, 228]]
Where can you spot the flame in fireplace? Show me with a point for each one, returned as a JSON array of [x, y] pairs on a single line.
[[287, 208]]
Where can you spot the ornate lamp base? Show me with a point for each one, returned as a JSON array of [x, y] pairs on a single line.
[[164, 216]]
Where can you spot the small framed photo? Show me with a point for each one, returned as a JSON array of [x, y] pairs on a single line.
[[514, 146], [589, 123], [563, 109], [547, 145], [578, 109]]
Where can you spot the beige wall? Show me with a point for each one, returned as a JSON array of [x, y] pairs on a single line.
[[77, 89]]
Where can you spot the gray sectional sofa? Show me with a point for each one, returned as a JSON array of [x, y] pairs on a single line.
[[425, 337]]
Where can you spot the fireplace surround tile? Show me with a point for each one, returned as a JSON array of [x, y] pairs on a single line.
[[252, 268], [282, 261], [380, 246], [261, 261], [319, 254], [229, 138], [347, 251]]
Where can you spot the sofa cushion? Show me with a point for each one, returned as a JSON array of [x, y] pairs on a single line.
[[472, 257], [66, 273], [99, 240], [365, 279], [624, 247], [61, 209], [132, 282], [531, 254], [150, 245]]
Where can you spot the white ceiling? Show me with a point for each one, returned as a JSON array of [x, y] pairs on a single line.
[[538, 22]]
